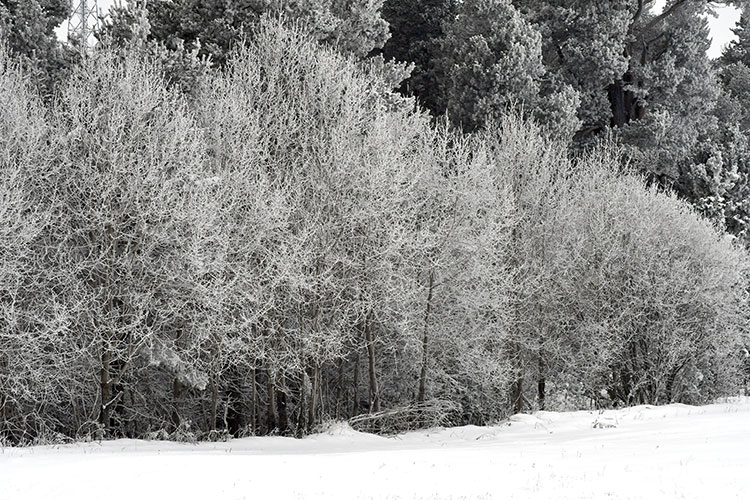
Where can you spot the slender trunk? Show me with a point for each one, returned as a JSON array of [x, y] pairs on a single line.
[[541, 383], [339, 388], [105, 377], [105, 388], [516, 394], [312, 405], [281, 406], [671, 381], [370, 338], [625, 386], [271, 413], [235, 413], [355, 384], [214, 403], [4, 425], [176, 394], [516, 388], [303, 404], [3, 397], [253, 400], [425, 337]]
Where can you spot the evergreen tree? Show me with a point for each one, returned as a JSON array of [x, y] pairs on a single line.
[[598, 48], [492, 62], [212, 27], [417, 27], [492, 59], [677, 91], [583, 46], [645, 77], [738, 50], [28, 29], [733, 117]]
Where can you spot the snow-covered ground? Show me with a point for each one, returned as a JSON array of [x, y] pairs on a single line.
[[670, 452]]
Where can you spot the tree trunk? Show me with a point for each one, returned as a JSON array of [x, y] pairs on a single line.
[[625, 105], [355, 383], [671, 381], [271, 413], [105, 388], [312, 404], [425, 335], [516, 394], [283, 418], [516, 386], [234, 411], [214, 403], [339, 388], [253, 401], [617, 104], [3, 415], [370, 338], [540, 385], [176, 395]]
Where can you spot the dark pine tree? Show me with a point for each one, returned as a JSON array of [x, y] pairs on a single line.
[[417, 26]]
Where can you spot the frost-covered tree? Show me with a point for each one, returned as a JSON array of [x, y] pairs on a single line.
[[657, 307], [458, 239], [605, 296], [296, 242], [359, 241], [537, 174], [37, 359], [319, 159], [126, 194]]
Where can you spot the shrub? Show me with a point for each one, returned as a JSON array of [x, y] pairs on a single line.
[[623, 288]]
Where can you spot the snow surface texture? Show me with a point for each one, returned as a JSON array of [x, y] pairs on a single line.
[[669, 452]]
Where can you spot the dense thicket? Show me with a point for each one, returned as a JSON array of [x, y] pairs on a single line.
[[296, 243]]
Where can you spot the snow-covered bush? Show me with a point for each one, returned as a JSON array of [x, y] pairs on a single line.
[[662, 291], [342, 209], [34, 348], [618, 287], [130, 222]]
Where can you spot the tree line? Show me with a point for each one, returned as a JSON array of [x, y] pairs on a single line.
[[193, 250]]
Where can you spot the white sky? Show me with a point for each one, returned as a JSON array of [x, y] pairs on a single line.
[[104, 5], [720, 26], [721, 29]]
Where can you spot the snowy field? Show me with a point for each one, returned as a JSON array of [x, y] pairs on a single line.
[[670, 452]]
